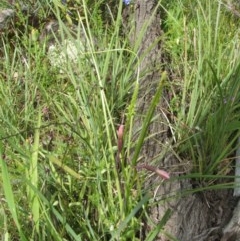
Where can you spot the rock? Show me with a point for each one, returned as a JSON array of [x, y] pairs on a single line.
[[5, 16], [64, 51], [60, 55]]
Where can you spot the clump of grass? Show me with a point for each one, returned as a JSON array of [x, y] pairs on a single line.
[[204, 56], [60, 141], [59, 130]]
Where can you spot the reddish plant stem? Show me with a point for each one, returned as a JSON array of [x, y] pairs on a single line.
[[163, 174]]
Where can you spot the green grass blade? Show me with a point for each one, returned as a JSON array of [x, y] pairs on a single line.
[[33, 174], [124, 224], [153, 234], [8, 192], [149, 116]]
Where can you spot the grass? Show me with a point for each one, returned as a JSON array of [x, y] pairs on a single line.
[[206, 121], [59, 140]]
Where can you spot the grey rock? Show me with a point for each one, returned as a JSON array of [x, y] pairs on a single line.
[[5, 16]]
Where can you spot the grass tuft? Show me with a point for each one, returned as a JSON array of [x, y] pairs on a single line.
[[59, 141]]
